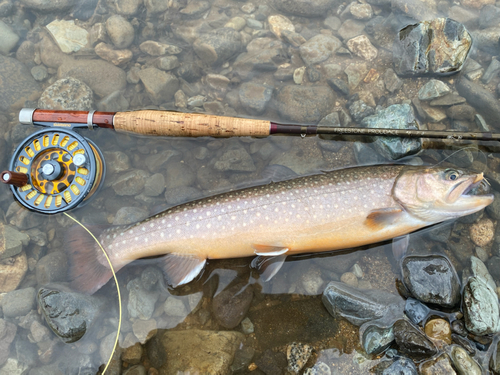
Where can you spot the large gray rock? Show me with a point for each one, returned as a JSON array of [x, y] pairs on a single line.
[[444, 53], [304, 104], [101, 76], [18, 85], [120, 31], [319, 48], [218, 46], [305, 8], [160, 86], [18, 302], [254, 97], [482, 100], [480, 307]]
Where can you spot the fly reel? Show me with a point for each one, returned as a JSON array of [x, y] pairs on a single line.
[[55, 170]]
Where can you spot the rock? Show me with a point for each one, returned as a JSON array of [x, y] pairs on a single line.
[[130, 183], [254, 97], [155, 185], [312, 282], [416, 310], [18, 302], [355, 73], [45, 7], [141, 302], [482, 100], [12, 271], [68, 314], [319, 48], [432, 280], [17, 85], [482, 232], [11, 241], [116, 57], [359, 110], [235, 159], [480, 307], [182, 194], [7, 335], [39, 73], [200, 351], [304, 8], [438, 365], [438, 329], [358, 306], [68, 36], [231, 305], [101, 76], [130, 215], [136, 370], [396, 116], [433, 89], [127, 7], [114, 102], [167, 63], [495, 360], [8, 38], [178, 175], [464, 364], [67, 94], [339, 86], [195, 9], [52, 267], [401, 366], [412, 342], [175, 308], [278, 23], [218, 46], [447, 100], [120, 31], [160, 86], [488, 16], [444, 53], [237, 23], [298, 75], [491, 72], [361, 11], [376, 339], [493, 266], [461, 112], [362, 47], [477, 4], [392, 81], [297, 355], [304, 104], [154, 48], [157, 161], [350, 29]]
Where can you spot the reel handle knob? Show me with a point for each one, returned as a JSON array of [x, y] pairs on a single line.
[[14, 178]]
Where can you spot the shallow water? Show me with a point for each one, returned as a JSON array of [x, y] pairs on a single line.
[[284, 310]]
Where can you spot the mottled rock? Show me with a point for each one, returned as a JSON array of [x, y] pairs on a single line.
[[482, 232], [431, 279], [304, 8], [464, 364], [68, 36], [355, 72], [44, 7], [480, 307], [448, 100], [444, 53], [361, 11], [278, 23], [358, 306], [114, 56], [127, 7], [120, 31], [101, 76], [141, 302], [401, 366], [362, 47], [350, 29], [154, 48], [67, 94], [17, 85], [235, 159], [359, 110], [438, 329], [160, 86], [7, 335], [438, 365], [297, 355], [254, 97], [195, 9], [339, 86], [412, 342], [461, 112], [392, 81], [304, 104], [200, 351], [11, 241], [218, 46], [319, 48], [397, 116]]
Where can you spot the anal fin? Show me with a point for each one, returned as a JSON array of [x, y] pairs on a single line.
[[181, 269], [269, 250], [380, 218], [268, 266]]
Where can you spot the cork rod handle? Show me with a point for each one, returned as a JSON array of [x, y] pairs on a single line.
[[165, 123]]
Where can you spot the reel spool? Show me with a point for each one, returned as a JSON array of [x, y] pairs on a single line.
[[55, 170]]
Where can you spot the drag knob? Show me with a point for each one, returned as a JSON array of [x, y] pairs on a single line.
[[14, 178]]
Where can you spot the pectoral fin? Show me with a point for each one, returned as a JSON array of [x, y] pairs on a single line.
[[380, 218], [269, 251], [181, 269], [268, 266]]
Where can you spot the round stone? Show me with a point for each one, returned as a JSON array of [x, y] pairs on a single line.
[[482, 232], [438, 329]]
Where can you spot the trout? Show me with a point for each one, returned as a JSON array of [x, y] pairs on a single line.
[[335, 210]]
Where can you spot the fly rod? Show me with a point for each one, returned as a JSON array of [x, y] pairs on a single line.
[[178, 124]]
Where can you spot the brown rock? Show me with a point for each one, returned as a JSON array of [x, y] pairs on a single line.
[[362, 47], [438, 329], [438, 365], [132, 354], [12, 271], [114, 56], [231, 305], [482, 232]]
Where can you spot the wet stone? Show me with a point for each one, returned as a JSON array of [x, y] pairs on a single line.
[[358, 306], [155, 185], [416, 310], [68, 314], [494, 267], [444, 53], [303, 8], [18, 302], [412, 342], [461, 112], [271, 362], [132, 354], [114, 56], [254, 97], [362, 47], [141, 302], [136, 370], [231, 305], [351, 29], [392, 81], [433, 89], [376, 339], [130, 183], [339, 86], [17, 84], [160, 86], [431, 279], [480, 307], [401, 366], [482, 100], [11, 241], [218, 46], [7, 335], [8, 38], [236, 159], [355, 73], [463, 362], [319, 48], [448, 100], [52, 267], [359, 110], [155, 48], [297, 355], [438, 365], [397, 116], [67, 94], [12, 272], [120, 31], [482, 232], [68, 36], [438, 329], [478, 269], [304, 104], [495, 359]]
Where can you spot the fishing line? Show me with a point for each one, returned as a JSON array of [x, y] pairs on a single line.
[[463, 149], [117, 289]]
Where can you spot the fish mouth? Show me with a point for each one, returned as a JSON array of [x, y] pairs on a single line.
[[471, 193]]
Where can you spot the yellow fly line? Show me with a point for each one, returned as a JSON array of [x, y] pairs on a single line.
[[117, 289]]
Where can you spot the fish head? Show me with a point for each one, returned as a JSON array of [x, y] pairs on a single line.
[[435, 194]]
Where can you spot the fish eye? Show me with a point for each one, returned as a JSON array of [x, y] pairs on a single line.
[[451, 174]]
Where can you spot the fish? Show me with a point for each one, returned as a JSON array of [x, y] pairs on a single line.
[[334, 210]]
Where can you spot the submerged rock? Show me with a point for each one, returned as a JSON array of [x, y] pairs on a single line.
[[397, 116], [438, 365], [231, 305], [359, 306], [297, 355], [67, 94], [412, 342], [376, 339], [464, 364], [416, 310], [18, 85], [480, 307], [304, 8], [218, 46], [482, 100], [403, 366], [443, 53], [431, 279]]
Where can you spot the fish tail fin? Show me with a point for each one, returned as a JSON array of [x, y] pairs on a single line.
[[88, 268]]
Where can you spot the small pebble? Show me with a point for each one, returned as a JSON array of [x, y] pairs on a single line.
[[482, 232], [350, 279], [247, 326], [297, 355], [438, 329]]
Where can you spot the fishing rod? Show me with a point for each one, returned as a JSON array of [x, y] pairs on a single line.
[[56, 169]]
